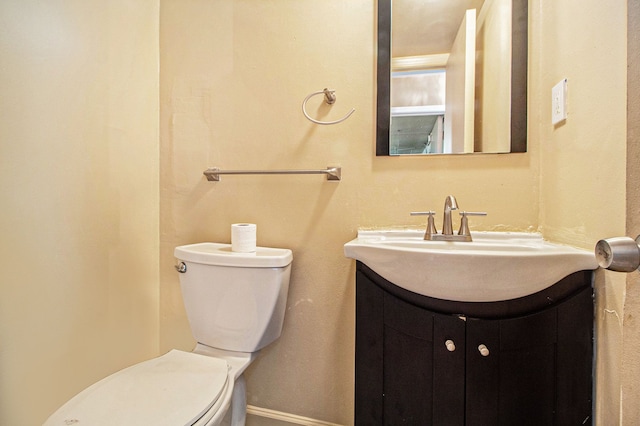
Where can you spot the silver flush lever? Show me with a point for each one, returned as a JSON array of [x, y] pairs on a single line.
[[620, 254], [181, 267]]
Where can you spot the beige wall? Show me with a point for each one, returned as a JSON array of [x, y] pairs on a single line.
[[79, 190], [631, 336], [582, 171], [493, 97], [460, 87]]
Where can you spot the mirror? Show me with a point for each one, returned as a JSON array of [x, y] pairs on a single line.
[[452, 76]]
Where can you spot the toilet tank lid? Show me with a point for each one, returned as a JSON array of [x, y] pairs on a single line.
[[221, 255]]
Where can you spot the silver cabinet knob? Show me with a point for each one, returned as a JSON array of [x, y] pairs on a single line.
[[484, 351], [450, 345]]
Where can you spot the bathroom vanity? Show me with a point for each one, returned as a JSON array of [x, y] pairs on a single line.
[[422, 360]]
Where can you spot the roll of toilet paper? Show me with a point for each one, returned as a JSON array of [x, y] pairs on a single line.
[[243, 237]]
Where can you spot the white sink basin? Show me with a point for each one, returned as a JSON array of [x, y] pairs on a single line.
[[494, 266]]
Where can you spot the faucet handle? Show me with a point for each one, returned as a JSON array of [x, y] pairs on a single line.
[[465, 213], [464, 222], [431, 226]]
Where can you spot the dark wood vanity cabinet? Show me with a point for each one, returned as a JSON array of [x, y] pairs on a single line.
[[423, 361]]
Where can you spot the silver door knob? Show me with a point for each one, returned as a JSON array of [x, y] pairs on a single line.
[[620, 254]]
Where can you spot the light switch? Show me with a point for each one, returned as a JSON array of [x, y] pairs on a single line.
[[559, 102]]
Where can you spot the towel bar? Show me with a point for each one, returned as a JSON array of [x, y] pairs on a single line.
[[333, 173]]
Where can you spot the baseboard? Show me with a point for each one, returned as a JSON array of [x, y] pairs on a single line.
[[286, 417]]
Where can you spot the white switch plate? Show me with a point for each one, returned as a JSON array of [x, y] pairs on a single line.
[[559, 102]]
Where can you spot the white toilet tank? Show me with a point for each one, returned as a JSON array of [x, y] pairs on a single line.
[[234, 301]]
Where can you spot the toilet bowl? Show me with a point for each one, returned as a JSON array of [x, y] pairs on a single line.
[[235, 303]]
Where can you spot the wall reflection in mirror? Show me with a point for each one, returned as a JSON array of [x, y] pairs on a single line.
[[452, 76]]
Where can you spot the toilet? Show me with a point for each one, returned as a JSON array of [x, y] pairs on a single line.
[[235, 303]]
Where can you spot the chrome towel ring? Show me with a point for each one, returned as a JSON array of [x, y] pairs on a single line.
[[329, 98]]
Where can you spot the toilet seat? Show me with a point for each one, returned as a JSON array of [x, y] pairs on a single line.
[[178, 388]]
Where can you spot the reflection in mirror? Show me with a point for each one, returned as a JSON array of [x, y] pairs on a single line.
[[452, 76], [417, 111]]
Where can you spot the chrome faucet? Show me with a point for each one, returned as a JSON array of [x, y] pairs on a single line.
[[447, 234], [450, 203]]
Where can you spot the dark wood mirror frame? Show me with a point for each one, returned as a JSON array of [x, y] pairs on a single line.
[[520, 41]]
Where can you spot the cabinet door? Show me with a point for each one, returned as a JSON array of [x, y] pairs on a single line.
[[369, 353], [527, 375], [448, 370], [511, 370], [408, 363], [483, 372], [575, 360]]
